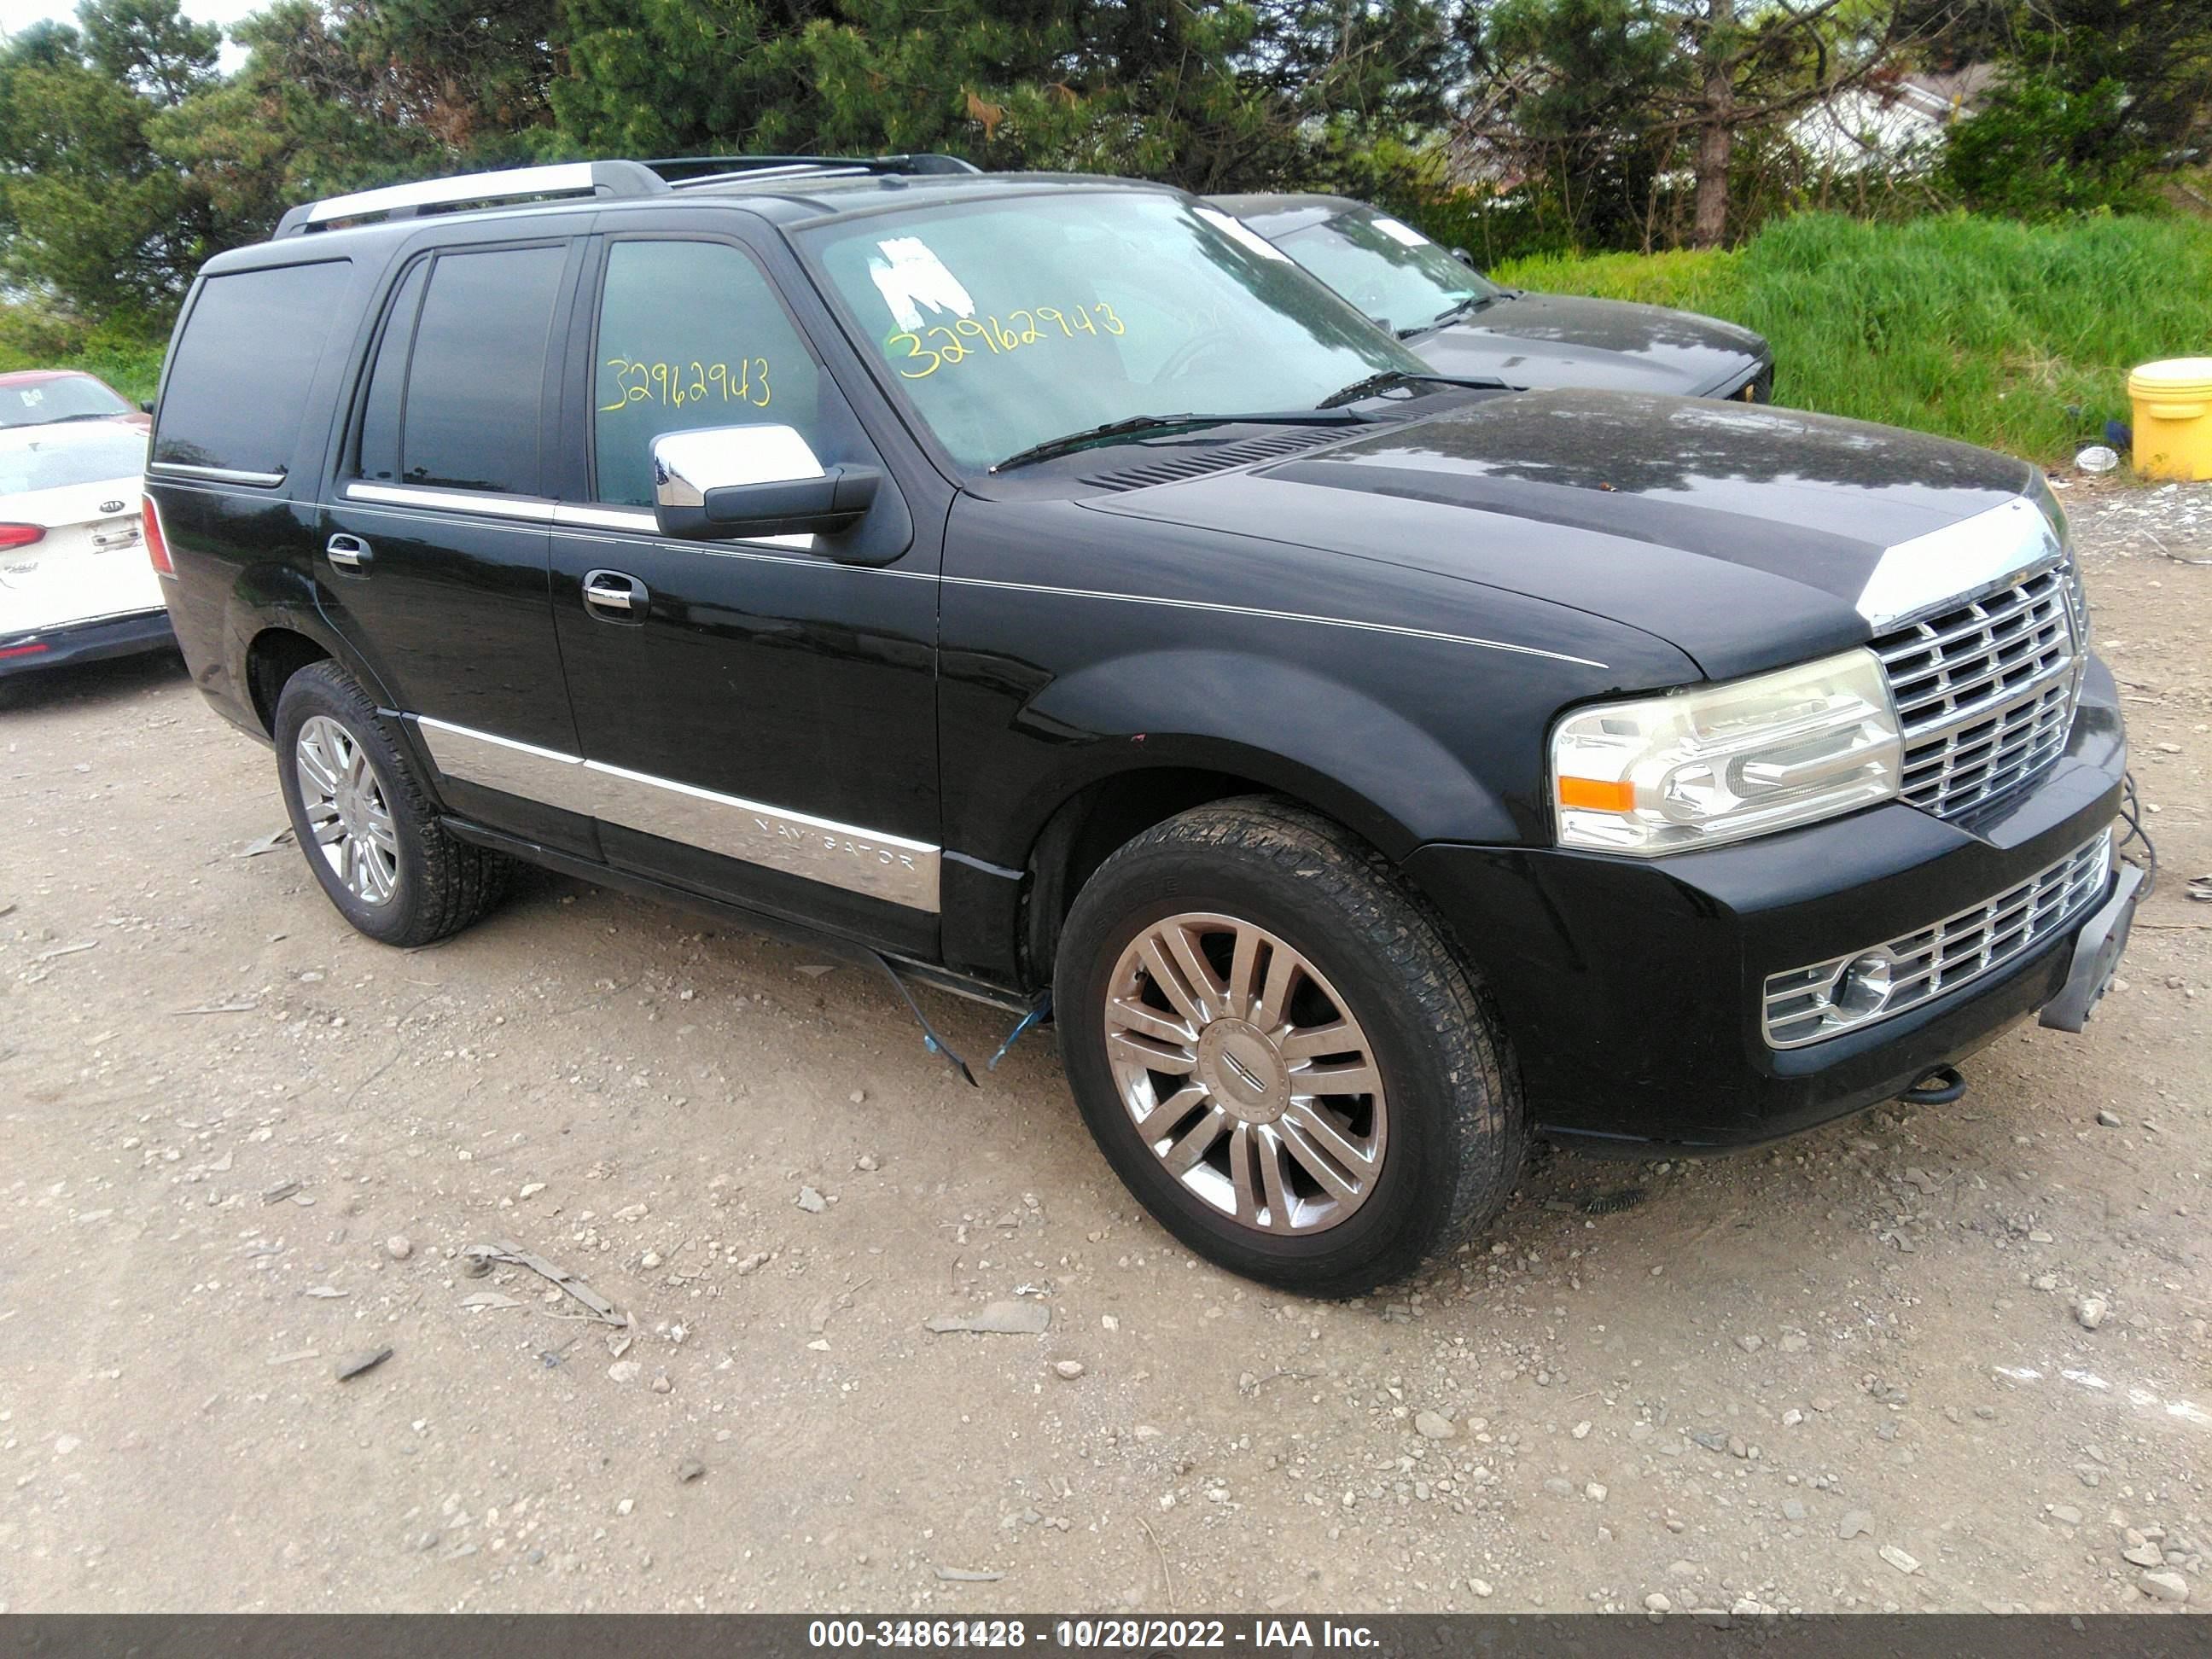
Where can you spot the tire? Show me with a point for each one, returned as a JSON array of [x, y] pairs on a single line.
[[1419, 1162], [402, 880]]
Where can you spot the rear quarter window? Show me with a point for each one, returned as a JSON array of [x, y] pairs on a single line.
[[239, 374]]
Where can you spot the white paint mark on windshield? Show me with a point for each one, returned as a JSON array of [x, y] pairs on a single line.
[[910, 276]]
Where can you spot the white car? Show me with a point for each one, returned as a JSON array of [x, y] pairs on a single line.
[[75, 581]]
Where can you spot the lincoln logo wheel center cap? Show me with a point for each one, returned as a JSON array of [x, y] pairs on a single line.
[[1242, 1070]]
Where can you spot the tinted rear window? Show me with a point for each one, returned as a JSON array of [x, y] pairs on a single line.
[[239, 377]]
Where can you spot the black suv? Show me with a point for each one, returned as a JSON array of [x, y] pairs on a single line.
[[1043, 587]]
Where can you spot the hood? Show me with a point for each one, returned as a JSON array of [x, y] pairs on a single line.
[[1543, 340], [1748, 537]]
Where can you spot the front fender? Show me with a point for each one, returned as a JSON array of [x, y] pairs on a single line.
[[1285, 726]]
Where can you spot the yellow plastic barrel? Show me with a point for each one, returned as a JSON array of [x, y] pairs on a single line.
[[2173, 418]]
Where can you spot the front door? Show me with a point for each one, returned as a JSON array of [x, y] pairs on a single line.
[[757, 718]]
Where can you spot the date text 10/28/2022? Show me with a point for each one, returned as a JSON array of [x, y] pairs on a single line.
[[1086, 1635]]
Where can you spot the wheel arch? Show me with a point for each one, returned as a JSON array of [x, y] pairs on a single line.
[[273, 655], [276, 625], [1288, 731]]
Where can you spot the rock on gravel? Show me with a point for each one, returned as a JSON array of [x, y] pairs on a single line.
[[398, 1246], [1898, 1558], [1433, 1425], [997, 1318], [1855, 1521], [2089, 1312], [2166, 1587]]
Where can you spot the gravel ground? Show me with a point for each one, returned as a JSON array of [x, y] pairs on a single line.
[[1947, 1358]]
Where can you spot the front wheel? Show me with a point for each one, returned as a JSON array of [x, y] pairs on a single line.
[[1278, 1052]]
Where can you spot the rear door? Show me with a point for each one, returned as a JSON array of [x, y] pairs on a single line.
[[435, 539], [761, 723]]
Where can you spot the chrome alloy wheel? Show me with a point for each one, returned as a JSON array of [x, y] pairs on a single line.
[[346, 809], [1246, 1074]]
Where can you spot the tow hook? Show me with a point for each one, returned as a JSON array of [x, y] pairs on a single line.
[[1937, 1088]]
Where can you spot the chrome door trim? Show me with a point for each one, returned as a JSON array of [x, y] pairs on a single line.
[[869, 861], [545, 775], [640, 521], [217, 474], [881, 865], [453, 501]]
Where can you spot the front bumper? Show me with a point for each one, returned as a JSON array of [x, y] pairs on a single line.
[[88, 641], [1632, 990]]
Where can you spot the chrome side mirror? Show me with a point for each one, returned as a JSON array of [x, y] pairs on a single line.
[[717, 482]]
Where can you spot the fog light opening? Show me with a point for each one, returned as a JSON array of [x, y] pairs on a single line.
[[1862, 986]]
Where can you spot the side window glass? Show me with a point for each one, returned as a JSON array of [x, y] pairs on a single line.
[[476, 381], [378, 457], [691, 334]]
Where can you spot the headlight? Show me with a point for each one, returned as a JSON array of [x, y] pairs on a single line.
[[1718, 762]]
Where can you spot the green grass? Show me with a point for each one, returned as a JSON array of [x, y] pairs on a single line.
[[1981, 329]]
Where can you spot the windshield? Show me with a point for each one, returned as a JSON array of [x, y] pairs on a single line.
[[1389, 270], [72, 455], [1011, 321], [36, 402]]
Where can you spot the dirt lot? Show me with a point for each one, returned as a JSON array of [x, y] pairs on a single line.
[[1782, 1378]]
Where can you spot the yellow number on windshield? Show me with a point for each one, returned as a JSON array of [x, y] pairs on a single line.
[[916, 351]]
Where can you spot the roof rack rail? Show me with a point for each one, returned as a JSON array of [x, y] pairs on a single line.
[[470, 189], [681, 171]]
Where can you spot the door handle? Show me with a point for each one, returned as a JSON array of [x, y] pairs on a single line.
[[347, 552], [614, 593]]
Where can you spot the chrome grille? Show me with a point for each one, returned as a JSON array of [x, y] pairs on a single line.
[[1806, 1004], [1986, 689]]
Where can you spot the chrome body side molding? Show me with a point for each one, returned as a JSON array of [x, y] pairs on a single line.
[[891, 868], [231, 474]]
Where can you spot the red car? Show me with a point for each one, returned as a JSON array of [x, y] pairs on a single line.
[[41, 397]]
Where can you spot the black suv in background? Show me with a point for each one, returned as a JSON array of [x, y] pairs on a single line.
[[1043, 587], [1459, 322]]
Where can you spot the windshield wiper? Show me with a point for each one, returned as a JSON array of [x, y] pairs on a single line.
[[1397, 377], [1466, 307], [88, 414], [1068, 443]]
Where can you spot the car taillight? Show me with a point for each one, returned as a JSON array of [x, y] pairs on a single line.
[[20, 535], [157, 544]]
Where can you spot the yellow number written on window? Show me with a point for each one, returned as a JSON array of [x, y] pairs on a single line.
[[919, 354], [627, 380]]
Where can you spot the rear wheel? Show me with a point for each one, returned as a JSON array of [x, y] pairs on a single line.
[[365, 821], [1277, 1050]]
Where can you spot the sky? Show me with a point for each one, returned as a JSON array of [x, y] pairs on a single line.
[[17, 15]]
